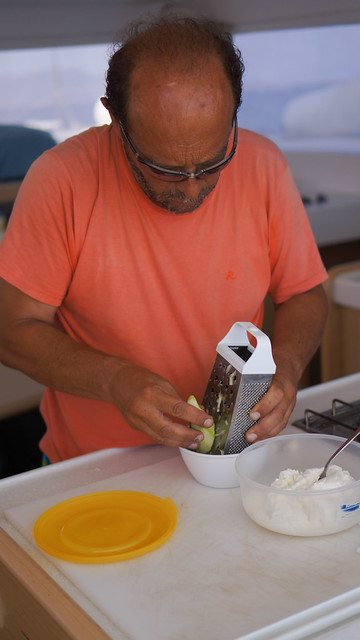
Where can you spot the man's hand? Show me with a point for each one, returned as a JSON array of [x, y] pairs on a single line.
[[298, 327], [273, 410], [151, 404]]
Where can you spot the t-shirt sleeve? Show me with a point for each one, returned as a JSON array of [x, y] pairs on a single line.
[[38, 253], [295, 262]]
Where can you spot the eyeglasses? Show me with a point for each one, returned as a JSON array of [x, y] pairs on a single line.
[[177, 176]]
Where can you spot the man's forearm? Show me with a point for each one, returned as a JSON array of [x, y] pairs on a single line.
[[54, 359], [148, 402], [298, 326], [31, 342]]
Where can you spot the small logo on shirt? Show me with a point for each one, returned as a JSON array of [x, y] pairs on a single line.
[[230, 275]]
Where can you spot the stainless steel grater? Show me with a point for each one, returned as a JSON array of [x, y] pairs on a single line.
[[241, 375]]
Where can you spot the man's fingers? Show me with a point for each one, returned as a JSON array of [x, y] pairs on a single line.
[[184, 411], [151, 404], [166, 432], [271, 413]]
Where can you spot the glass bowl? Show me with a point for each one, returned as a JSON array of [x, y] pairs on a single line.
[[303, 512]]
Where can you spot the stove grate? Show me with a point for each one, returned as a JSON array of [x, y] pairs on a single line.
[[341, 420]]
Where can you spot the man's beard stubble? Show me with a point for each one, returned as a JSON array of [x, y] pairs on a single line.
[[164, 199]]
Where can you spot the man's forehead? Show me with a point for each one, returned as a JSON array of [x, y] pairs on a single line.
[[159, 73], [167, 87]]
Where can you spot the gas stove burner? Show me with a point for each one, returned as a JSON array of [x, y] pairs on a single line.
[[341, 420], [319, 198]]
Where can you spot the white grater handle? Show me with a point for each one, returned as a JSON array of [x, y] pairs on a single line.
[[261, 360]]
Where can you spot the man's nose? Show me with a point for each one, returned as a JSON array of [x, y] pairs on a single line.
[[192, 187]]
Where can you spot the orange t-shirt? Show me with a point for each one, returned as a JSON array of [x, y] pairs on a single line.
[[133, 280]]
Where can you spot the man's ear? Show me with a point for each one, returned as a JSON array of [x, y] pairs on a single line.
[[104, 102]]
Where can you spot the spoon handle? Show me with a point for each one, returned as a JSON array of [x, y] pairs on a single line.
[[341, 448]]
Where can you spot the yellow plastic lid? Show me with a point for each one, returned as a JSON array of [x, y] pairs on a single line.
[[107, 526]]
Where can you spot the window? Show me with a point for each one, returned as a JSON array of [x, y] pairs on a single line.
[[56, 89], [302, 86]]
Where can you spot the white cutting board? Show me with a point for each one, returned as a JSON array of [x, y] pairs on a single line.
[[220, 576]]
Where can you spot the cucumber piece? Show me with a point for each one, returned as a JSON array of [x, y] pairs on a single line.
[[209, 433]]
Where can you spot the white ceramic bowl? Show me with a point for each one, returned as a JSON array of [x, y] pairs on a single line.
[[298, 512], [212, 470]]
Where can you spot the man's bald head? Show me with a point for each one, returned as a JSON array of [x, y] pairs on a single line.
[[186, 46]]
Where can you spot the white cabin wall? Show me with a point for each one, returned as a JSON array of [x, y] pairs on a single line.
[[325, 172]]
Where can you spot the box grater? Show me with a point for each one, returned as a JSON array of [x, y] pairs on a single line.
[[241, 375]]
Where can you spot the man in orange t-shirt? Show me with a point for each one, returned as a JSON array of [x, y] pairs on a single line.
[[134, 247]]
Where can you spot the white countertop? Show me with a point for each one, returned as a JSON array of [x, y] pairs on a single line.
[[219, 577]]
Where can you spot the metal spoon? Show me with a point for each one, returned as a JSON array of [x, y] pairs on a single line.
[[341, 448]]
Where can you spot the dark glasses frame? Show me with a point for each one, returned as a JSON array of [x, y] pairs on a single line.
[[177, 176]]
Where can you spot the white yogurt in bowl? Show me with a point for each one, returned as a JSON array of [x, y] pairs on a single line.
[[293, 479], [279, 496]]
